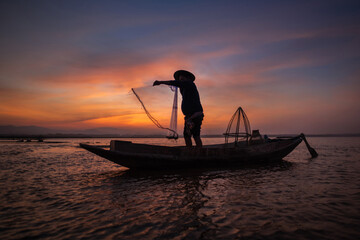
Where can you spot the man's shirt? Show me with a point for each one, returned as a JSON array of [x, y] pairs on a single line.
[[190, 97]]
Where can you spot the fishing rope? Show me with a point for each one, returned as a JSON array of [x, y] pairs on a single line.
[[152, 118]]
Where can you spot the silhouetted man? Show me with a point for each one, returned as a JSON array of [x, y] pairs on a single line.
[[190, 106]]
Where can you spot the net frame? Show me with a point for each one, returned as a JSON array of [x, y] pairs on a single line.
[[240, 117]]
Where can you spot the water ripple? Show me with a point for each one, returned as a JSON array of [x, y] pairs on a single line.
[[59, 191]]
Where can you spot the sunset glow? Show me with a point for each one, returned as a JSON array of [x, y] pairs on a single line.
[[292, 66]]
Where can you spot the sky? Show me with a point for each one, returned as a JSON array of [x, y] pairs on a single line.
[[293, 66]]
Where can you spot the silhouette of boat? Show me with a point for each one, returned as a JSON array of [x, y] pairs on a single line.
[[252, 149], [145, 156]]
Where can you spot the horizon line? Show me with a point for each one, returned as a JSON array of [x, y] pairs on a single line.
[[61, 135]]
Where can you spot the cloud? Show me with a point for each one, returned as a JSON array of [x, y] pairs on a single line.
[[282, 62]]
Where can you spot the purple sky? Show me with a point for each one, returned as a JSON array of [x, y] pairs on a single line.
[[294, 66]]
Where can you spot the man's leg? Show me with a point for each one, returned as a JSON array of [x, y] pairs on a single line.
[[188, 141], [196, 131], [187, 135], [198, 141]]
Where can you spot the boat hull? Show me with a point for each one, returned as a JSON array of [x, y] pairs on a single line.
[[144, 156]]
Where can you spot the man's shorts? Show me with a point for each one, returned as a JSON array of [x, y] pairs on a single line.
[[195, 130]]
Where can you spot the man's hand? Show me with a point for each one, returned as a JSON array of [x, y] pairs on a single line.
[[156, 83]]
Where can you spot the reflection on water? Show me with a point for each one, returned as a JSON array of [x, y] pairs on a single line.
[[61, 191], [185, 204]]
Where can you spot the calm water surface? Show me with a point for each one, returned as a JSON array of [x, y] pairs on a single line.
[[59, 191]]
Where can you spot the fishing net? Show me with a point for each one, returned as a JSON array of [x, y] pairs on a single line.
[[160, 104]]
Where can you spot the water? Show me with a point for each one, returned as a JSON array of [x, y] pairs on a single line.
[[60, 191]]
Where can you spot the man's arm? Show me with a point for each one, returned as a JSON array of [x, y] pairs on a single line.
[[171, 83]]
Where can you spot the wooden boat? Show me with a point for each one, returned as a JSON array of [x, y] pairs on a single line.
[[144, 156]]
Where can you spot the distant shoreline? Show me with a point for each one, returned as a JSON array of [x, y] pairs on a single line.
[[47, 136]]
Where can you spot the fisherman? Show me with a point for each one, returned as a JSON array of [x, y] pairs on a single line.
[[190, 106]]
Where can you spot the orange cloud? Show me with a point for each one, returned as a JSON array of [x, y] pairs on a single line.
[[77, 88]]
